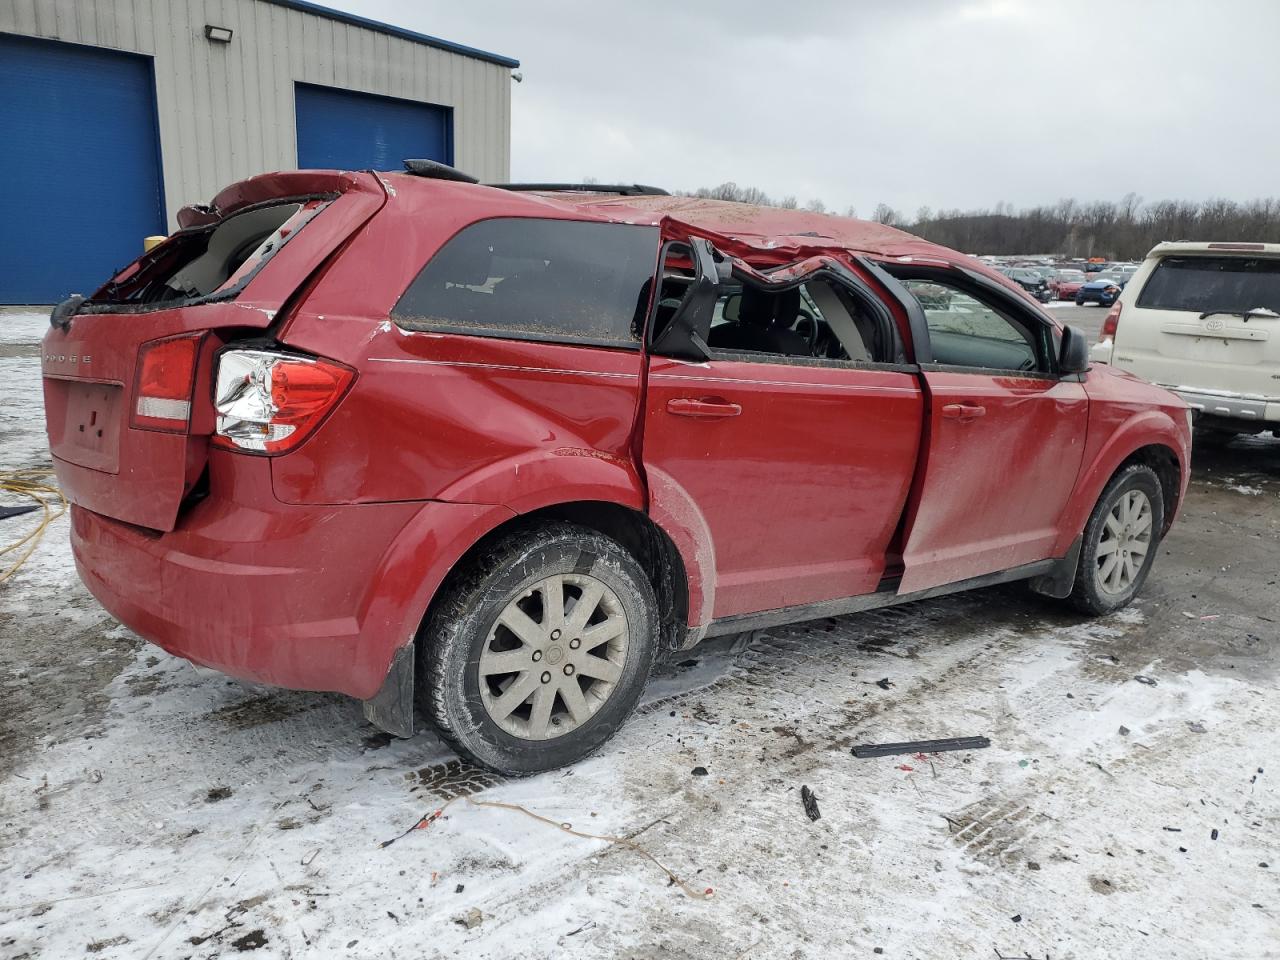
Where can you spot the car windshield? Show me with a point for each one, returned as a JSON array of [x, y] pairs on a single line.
[[1070, 275], [1213, 285]]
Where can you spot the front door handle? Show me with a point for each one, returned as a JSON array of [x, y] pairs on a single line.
[[706, 408], [963, 411]]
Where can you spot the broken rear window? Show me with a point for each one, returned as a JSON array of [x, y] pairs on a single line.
[[208, 262], [556, 280]]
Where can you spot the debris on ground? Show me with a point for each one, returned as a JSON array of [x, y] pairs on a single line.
[[866, 750], [699, 771], [884, 683], [1149, 681], [7, 512], [430, 818], [1195, 726], [471, 919], [36, 485], [1124, 731], [810, 801]]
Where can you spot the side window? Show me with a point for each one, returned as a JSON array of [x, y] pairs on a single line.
[[532, 279], [967, 332], [818, 320]]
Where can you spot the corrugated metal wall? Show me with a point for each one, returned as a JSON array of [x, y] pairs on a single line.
[[226, 111]]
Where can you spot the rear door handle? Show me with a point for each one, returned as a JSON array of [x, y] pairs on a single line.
[[708, 408], [963, 411]]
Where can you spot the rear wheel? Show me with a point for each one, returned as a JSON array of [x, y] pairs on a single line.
[[1120, 541], [539, 650]]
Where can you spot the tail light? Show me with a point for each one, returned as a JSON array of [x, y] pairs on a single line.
[[1110, 322], [162, 387], [268, 402]]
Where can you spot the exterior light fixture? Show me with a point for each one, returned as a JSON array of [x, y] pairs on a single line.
[[217, 34]]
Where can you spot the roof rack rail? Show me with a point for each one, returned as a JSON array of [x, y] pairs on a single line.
[[437, 171], [624, 189]]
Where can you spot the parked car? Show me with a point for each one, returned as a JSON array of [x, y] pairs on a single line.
[[1103, 289], [1030, 280], [1204, 318], [1067, 283], [411, 438]]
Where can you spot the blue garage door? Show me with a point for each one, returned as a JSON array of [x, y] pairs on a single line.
[[342, 130], [79, 167]]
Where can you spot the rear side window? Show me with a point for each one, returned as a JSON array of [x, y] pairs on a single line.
[[1213, 285], [530, 279]]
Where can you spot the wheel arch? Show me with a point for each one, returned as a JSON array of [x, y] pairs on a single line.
[[1164, 462], [637, 533], [1151, 439]]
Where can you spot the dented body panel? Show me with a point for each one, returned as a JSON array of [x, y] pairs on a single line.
[[807, 484]]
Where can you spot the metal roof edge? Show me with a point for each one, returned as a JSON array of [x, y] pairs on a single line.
[[305, 6]]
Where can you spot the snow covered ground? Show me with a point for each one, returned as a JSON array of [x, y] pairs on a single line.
[[1127, 806]]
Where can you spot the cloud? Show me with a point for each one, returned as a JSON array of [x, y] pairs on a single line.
[[909, 103]]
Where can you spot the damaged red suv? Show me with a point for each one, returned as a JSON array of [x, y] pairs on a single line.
[[491, 450]]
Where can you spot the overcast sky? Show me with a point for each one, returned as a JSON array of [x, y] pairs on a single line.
[[945, 103]]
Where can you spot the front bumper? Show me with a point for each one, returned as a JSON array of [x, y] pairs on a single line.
[[1233, 406]]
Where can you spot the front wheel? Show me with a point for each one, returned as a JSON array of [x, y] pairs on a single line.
[[539, 650], [1120, 541]]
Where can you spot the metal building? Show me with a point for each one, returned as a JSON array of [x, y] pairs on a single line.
[[116, 113]]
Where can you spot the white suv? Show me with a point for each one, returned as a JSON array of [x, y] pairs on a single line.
[[1203, 319]]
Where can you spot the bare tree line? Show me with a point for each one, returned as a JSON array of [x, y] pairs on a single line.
[[1123, 230]]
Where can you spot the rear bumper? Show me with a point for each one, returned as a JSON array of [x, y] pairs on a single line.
[[312, 598], [1226, 404]]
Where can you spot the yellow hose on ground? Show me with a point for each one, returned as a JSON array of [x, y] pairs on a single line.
[[31, 483]]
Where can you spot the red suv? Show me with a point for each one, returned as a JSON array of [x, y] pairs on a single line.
[[492, 449]]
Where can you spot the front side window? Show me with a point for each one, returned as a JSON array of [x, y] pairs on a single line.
[[532, 279], [1213, 285], [966, 332], [817, 319]]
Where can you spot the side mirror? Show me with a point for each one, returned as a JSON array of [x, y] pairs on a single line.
[[1073, 356], [731, 305], [60, 316]]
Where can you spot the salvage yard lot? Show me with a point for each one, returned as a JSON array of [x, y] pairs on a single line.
[[1126, 807]]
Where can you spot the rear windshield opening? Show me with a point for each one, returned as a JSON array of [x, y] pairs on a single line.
[[194, 265], [1213, 285]]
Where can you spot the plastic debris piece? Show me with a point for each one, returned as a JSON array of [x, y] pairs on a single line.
[[6, 512], [810, 801], [863, 751], [1149, 681]]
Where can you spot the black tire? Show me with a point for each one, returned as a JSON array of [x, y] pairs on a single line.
[[1087, 596], [458, 629]]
